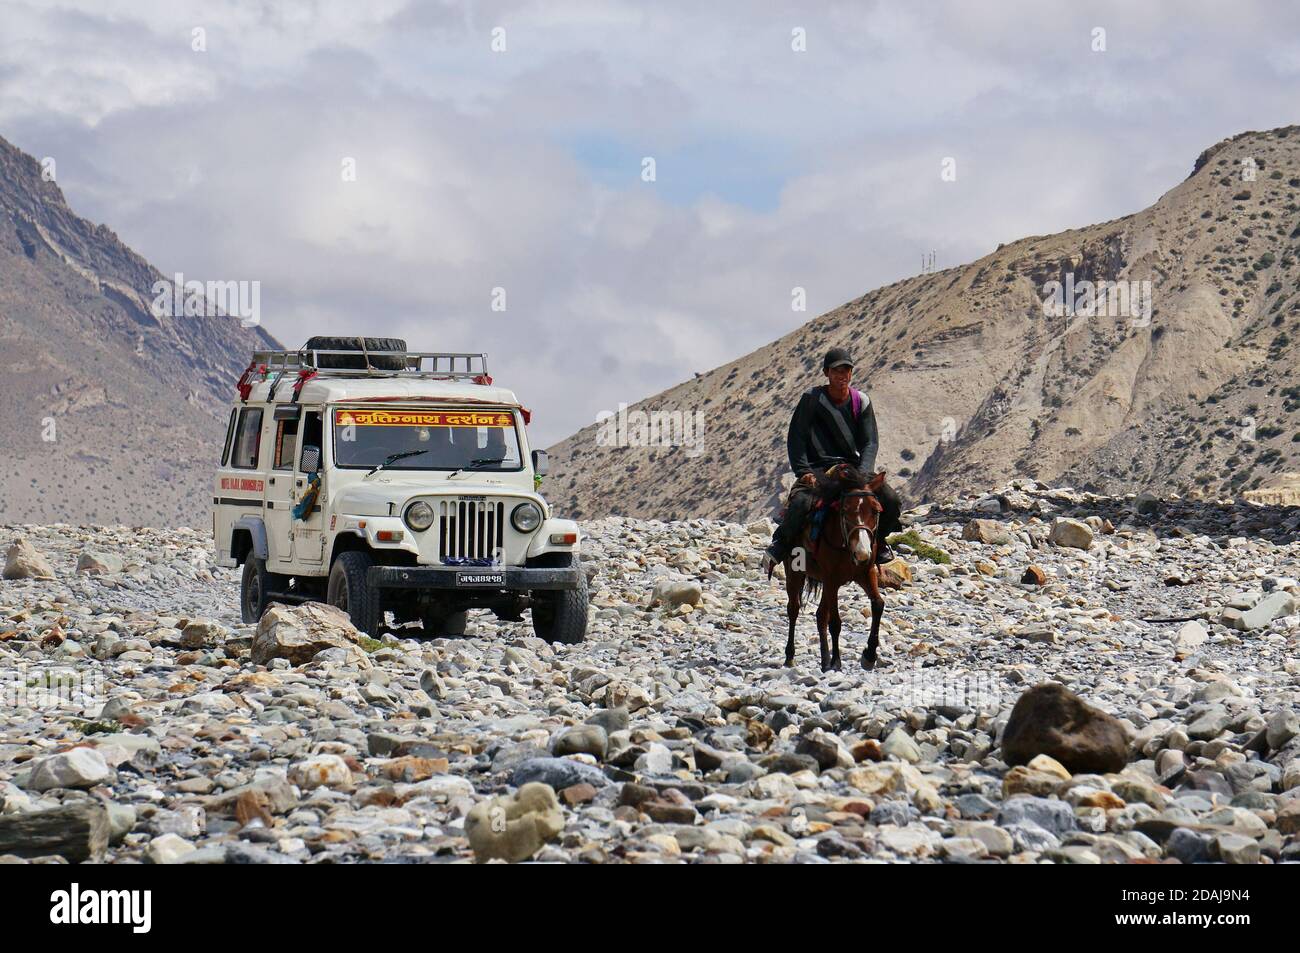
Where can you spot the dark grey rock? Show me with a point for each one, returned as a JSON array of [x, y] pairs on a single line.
[[559, 773], [899, 813], [1189, 846], [1051, 815], [975, 807]]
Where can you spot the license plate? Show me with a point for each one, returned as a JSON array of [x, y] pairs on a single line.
[[480, 579]]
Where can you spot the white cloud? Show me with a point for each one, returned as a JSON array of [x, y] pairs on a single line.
[[521, 169]]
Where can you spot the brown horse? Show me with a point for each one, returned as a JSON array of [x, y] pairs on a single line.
[[845, 552]]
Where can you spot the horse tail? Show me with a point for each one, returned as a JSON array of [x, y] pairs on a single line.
[[812, 589]]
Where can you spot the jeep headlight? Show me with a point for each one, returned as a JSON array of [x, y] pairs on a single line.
[[419, 516], [526, 517]]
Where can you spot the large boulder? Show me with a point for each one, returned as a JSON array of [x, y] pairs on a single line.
[[1275, 605], [323, 770], [672, 593], [272, 795], [203, 633], [991, 532], [23, 561], [581, 739], [1074, 534], [297, 633], [1146, 503], [895, 574], [75, 768], [97, 563], [557, 773], [1190, 637], [1048, 719], [515, 826], [77, 831]]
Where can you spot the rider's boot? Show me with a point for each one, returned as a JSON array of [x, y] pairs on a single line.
[[777, 551]]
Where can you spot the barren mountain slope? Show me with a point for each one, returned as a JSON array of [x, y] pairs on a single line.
[[136, 404], [975, 381]]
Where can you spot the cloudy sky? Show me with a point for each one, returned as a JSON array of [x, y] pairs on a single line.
[[790, 149]]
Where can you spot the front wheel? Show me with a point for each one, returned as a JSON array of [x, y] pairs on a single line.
[[350, 590], [560, 615]]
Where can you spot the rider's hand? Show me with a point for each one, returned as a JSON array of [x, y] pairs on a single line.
[[807, 480]]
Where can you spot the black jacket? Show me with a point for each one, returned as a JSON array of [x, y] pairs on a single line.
[[821, 437]]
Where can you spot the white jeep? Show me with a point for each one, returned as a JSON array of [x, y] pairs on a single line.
[[385, 481]]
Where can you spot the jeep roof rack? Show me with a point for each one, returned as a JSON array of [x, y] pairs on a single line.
[[432, 365]]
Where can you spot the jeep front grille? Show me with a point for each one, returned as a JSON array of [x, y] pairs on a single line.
[[471, 532]]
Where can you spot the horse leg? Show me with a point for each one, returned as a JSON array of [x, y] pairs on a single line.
[[877, 610], [835, 634], [823, 621], [794, 582]]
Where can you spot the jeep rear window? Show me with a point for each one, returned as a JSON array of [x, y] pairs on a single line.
[[247, 439], [447, 440]]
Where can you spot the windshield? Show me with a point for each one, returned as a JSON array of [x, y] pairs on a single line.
[[426, 440]]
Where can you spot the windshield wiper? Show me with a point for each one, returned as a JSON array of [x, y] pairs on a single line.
[[475, 464], [394, 457]]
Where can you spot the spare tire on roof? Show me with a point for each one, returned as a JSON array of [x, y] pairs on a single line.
[[344, 361]]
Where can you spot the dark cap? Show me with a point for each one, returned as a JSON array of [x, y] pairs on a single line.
[[836, 357]]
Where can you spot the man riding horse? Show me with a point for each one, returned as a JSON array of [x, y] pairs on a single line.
[[833, 424]]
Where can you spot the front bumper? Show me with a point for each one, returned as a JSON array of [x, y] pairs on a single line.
[[474, 579]]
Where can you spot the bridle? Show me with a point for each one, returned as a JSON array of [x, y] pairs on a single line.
[[846, 530]]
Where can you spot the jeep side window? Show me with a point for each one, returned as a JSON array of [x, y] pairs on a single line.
[[286, 434], [248, 439], [311, 433], [230, 430]]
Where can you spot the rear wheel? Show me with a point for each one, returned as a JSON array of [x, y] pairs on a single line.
[[560, 615], [254, 585], [350, 591]]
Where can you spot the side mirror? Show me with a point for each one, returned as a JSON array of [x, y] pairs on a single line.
[[310, 459], [540, 464]]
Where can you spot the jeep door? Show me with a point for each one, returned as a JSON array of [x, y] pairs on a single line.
[[308, 532]]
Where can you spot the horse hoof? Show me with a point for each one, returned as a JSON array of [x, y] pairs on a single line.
[[868, 662], [789, 663], [836, 666]]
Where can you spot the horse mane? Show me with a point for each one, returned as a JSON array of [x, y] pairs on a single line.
[[833, 485]]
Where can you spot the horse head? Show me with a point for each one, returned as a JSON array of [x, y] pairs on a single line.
[[860, 511]]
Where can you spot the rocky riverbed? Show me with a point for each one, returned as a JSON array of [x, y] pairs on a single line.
[[143, 722]]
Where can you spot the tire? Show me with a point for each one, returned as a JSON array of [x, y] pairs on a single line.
[[350, 591], [254, 584], [560, 615], [444, 625], [388, 363]]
